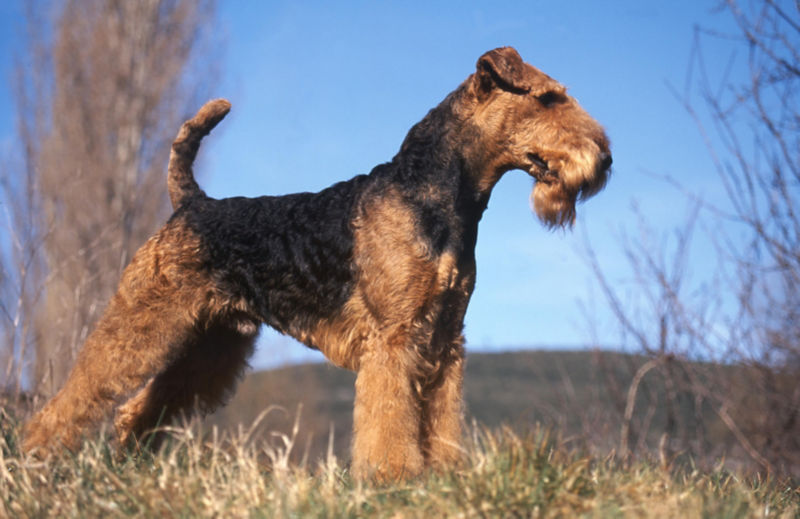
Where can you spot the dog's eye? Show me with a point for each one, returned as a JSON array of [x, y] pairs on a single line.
[[551, 98]]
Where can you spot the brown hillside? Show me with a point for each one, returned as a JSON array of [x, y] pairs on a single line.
[[578, 393]]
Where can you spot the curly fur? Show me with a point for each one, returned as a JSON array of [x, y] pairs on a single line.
[[376, 272]]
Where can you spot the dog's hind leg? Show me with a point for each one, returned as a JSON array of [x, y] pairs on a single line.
[[132, 342], [201, 379], [147, 324]]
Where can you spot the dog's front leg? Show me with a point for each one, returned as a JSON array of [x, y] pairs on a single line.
[[386, 443]]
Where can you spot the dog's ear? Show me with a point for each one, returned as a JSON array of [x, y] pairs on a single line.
[[502, 68]]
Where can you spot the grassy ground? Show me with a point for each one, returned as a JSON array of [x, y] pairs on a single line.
[[503, 475], [579, 393]]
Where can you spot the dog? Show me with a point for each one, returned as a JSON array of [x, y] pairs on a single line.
[[375, 272]]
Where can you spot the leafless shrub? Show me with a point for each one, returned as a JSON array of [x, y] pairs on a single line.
[[745, 317]]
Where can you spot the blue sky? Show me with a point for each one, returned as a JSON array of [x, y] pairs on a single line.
[[322, 91]]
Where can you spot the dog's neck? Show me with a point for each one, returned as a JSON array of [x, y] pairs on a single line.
[[434, 157]]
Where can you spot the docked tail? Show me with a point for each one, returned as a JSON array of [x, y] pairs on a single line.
[[180, 180]]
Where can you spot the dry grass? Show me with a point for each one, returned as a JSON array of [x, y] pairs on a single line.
[[249, 475]]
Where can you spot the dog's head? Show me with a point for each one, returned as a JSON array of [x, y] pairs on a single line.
[[531, 123]]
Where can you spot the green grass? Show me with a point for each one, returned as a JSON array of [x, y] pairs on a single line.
[[242, 475]]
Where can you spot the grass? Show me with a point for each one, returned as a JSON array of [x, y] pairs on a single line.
[[249, 474], [579, 393]]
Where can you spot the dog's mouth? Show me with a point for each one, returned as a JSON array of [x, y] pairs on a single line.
[[540, 169]]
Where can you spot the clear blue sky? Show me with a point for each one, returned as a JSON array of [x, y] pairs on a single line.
[[322, 91]]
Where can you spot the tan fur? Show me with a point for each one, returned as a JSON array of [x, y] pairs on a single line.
[[565, 136], [148, 325], [180, 180], [173, 341], [377, 333]]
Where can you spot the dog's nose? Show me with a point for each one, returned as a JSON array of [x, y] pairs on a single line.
[[605, 160]]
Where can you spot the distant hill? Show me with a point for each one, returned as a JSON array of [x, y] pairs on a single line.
[[580, 394]]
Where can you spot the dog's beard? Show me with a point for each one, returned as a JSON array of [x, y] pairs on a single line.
[[553, 200], [553, 204]]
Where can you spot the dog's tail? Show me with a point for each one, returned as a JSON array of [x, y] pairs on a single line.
[[180, 180]]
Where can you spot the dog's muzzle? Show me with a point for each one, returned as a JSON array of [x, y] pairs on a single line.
[[540, 169]]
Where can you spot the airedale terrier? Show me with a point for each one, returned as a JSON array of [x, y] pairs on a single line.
[[375, 272]]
